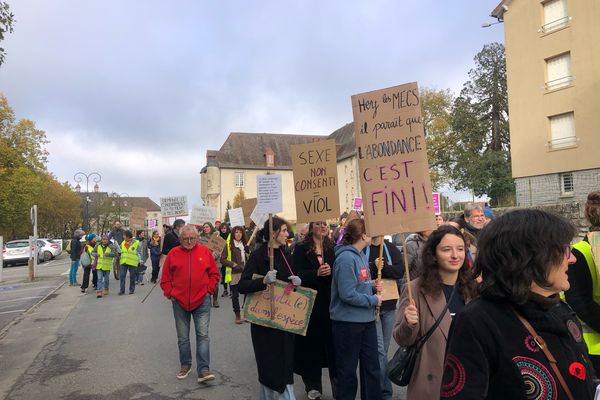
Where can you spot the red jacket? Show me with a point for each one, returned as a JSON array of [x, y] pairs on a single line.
[[188, 275]]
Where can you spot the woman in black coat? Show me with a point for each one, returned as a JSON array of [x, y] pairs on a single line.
[[313, 258], [273, 348]]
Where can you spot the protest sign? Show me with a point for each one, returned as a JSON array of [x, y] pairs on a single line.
[[435, 197], [259, 216], [174, 206], [216, 243], [357, 204], [315, 181], [291, 311], [236, 217], [200, 215], [151, 224], [389, 290], [392, 160], [138, 217], [269, 193], [248, 206]]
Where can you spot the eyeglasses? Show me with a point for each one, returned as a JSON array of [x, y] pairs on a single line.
[[188, 239], [567, 248]]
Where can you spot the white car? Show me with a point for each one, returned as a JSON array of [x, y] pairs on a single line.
[[18, 252], [50, 248]]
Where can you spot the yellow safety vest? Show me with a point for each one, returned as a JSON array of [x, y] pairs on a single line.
[[129, 255], [104, 263], [592, 338], [228, 269]]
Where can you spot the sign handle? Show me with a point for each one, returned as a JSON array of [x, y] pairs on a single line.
[[379, 268], [254, 232], [406, 271], [271, 266]]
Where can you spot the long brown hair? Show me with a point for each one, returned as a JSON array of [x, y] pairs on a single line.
[[354, 231]]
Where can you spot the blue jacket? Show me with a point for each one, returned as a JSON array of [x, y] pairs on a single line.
[[352, 298]]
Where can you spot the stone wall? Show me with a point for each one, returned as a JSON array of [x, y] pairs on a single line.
[[546, 189]]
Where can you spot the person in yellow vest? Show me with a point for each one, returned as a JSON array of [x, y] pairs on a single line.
[[129, 258], [584, 294], [104, 253], [87, 262]]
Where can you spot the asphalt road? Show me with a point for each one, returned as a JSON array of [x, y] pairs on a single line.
[[77, 347]]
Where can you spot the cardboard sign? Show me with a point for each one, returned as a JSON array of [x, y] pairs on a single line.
[[292, 311], [389, 290], [200, 215], [248, 206], [236, 217], [435, 197], [174, 206], [315, 181], [357, 204], [269, 193], [216, 243], [138, 217], [392, 160]]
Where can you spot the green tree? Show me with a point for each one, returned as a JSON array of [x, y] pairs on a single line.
[[227, 208], [7, 19], [239, 198], [480, 156]]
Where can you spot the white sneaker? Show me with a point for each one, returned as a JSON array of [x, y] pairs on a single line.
[[314, 394]]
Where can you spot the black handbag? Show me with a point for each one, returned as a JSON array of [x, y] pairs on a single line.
[[400, 367]]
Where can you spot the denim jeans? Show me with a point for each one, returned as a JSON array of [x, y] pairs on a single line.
[[201, 316], [103, 279], [123, 274], [73, 272], [354, 341], [385, 326]]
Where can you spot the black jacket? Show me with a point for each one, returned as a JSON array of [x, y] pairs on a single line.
[[171, 241], [76, 249], [393, 271]]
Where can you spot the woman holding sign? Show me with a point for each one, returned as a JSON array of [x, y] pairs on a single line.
[[352, 310], [442, 290], [313, 258], [273, 348]]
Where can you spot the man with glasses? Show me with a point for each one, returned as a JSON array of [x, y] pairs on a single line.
[[189, 278]]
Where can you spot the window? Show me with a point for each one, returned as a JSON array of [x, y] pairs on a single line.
[[270, 160], [558, 71], [239, 179], [555, 15], [566, 184], [562, 130]]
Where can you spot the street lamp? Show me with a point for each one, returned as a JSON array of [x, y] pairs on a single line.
[[119, 196], [488, 24], [80, 177]]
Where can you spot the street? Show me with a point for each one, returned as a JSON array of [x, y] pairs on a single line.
[[75, 346]]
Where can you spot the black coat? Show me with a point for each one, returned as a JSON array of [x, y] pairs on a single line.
[[315, 350], [273, 348], [171, 241], [490, 354], [388, 271]]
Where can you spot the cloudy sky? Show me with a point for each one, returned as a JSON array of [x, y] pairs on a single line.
[[139, 90]]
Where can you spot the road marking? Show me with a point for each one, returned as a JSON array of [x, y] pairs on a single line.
[[21, 298], [13, 311], [31, 288]]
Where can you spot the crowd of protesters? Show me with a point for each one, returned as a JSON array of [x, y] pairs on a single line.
[[510, 309]]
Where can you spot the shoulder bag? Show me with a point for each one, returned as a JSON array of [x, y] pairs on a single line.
[[400, 367]]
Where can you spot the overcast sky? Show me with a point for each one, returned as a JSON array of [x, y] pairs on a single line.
[[139, 90]]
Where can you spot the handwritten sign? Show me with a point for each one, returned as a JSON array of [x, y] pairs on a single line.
[[216, 243], [435, 197], [292, 311], [248, 206], [315, 181], [259, 216], [138, 217], [357, 204], [200, 215], [236, 216], [269, 193], [392, 159], [174, 206]]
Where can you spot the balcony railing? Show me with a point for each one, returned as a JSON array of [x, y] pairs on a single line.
[[559, 82], [559, 143], [556, 24]]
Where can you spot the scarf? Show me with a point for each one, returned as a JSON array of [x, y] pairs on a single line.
[[240, 245]]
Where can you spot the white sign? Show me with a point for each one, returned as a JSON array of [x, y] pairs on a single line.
[[200, 215], [269, 193], [259, 216], [236, 217], [174, 206]]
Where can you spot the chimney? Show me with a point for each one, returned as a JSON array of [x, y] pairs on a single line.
[[270, 157]]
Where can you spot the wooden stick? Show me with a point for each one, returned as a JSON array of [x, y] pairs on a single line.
[[406, 271], [253, 235], [379, 268], [271, 266]]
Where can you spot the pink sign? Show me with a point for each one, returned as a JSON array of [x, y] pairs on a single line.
[[436, 203], [151, 223], [357, 204]]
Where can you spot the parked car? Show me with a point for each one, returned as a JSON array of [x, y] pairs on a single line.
[[50, 248], [18, 252]]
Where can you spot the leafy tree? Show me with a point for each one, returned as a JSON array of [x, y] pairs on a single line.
[[238, 199], [7, 20], [227, 208]]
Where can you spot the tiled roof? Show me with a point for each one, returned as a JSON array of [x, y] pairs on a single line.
[[344, 139]]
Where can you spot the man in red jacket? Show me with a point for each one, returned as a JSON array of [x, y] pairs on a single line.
[[189, 278]]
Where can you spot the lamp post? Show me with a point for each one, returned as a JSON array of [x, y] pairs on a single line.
[[119, 197], [80, 177]]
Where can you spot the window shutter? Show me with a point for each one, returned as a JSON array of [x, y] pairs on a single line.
[[562, 130]]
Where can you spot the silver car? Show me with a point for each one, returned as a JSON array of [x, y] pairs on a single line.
[[18, 252], [50, 248]]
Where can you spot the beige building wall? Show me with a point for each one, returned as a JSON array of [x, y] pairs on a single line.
[[349, 182], [530, 104]]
